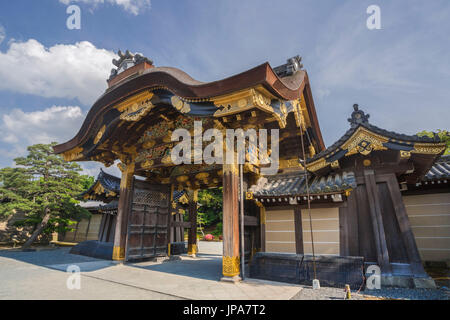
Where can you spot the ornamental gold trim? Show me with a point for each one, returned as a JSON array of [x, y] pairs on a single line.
[[230, 266], [136, 111], [335, 164], [180, 105], [317, 165], [74, 154], [99, 134], [429, 148], [118, 253], [364, 142], [290, 163], [192, 249], [405, 154], [127, 175], [136, 99]]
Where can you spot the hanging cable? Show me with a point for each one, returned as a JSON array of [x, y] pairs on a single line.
[[302, 125]]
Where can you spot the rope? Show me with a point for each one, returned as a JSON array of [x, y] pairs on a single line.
[[307, 192]]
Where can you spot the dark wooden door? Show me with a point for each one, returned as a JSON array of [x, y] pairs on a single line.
[[148, 225]]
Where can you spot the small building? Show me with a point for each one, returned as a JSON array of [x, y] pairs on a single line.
[[374, 194]]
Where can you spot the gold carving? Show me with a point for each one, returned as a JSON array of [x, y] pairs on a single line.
[[136, 112], [318, 164], [405, 154], [148, 144], [138, 98], [167, 159], [182, 179], [202, 176], [297, 113], [335, 164], [429, 148], [290, 163], [99, 134], [147, 164], [367, 162], [312, 151], [364, 142], [180, 105], [249, 195], [231, 266], [74, 154], [127, 175]]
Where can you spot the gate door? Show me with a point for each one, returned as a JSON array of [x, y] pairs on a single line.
[[148, 223]]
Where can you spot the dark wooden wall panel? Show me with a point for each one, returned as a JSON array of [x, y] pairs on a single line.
[[396, 247]]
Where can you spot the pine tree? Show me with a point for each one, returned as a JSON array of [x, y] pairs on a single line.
[[45, 188]]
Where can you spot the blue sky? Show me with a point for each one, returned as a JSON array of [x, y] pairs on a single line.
[[50, 75]]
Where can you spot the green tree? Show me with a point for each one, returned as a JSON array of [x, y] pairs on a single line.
[[443, 134], [210, 210], [45, 188]]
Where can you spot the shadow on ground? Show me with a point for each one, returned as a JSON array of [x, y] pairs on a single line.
[[204, 266], [58, 258]]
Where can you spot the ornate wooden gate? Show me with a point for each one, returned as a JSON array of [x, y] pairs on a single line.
[[148, 224]]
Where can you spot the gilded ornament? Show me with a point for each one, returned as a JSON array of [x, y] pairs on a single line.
[[364, 142], [405, 154], [318, 164], [136, 112], [429, 148], [99, 134], [231, 266], [180, 105], [74, 154]]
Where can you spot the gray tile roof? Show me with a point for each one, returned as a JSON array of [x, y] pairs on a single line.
[[294, 184], [360, 119], [440, 170]]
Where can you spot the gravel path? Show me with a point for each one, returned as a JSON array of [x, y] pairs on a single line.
[[326, 293]]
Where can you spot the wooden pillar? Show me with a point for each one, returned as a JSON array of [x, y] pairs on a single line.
[[123, 211], [377, 222], [192, 235], [298, 230], [405, 227], [231, 257], [262, 226]]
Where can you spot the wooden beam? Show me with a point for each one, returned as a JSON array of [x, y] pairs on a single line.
[[262, 219], [298, 230], [192, 234], [123, 212], [231, 257], [405, 227], [377, 222]]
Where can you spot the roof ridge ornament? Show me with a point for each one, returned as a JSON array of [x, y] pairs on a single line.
[[127, 60], [291, 66], [358, 117]]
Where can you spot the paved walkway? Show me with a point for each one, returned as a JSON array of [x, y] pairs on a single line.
[[42, 275]]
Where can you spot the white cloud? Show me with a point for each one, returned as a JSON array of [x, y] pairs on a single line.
[[132, 6], [69, 71], [19, 129], [57, 123]]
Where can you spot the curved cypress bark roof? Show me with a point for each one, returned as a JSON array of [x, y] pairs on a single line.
[[179, 83]]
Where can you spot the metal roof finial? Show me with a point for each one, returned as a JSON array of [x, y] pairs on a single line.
[[358, 117]]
